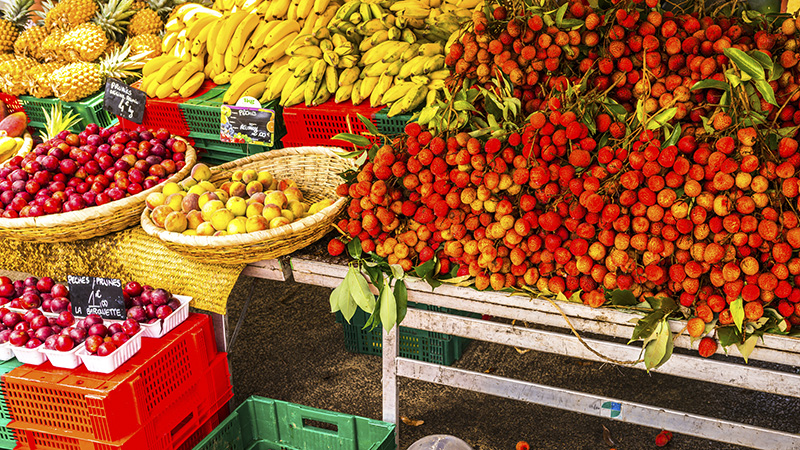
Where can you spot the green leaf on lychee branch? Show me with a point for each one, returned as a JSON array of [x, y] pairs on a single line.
[[766, 91], [371, 128], [660, 119], [339, 296], [359, 289], [728, 336], [737, 312], [622, 297], [747, 348], [673, 138], [745, 63], [388, 308], [354, 248], [401, 297], [375, 275], [426, 268], [710, 84], [763, 59], [560, 14], [359, 141], [646, 326], [656, 349]]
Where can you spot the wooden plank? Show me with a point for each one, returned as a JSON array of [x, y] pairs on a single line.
[[270, 269], [776, 349], [693, 367], [628, 412]]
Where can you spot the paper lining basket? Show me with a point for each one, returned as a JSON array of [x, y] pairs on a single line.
[[315, 170], [88, 222]]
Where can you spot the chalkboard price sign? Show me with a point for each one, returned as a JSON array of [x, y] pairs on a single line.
[[124, 101], [247, 125], [102, 296]]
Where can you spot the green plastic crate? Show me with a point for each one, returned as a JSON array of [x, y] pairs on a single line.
[[7, 439], [218, 152], [391, 125], [438, 348], [5, 367], [202, 114], [265, 424], [89, 110]]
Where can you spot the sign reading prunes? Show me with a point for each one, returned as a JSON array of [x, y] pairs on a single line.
[[247, 125], [102, 296], [124, 101]]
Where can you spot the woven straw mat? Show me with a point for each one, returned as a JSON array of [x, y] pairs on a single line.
[[128, 255]]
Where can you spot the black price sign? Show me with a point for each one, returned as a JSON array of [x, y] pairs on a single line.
[[102, 296], [247, 125], [124, 101]]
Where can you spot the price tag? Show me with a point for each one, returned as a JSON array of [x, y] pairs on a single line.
[[102, 296], [124, 101], [247, 123]]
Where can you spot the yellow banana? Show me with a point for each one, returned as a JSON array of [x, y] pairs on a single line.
[[308, 24], [376, 69], [211, 43], [243, 32], [169, 41], [270, 54], [234, 92], [223, 78], [322, 96], [304, 8], [197, 27], [288, 89], [413, 98], [349, 76], [228, 29], [185, 74], [155, 64], [231, 60], [326, 17], [255, 91], [343, 93], [331, 79], [367, 86], [355, 94], [257, 38], [276, 81], [164, 90], [296, 96], [394, 68], [278, 9], [280, 31], [384, 83], [169, 69], [396, 92], [435, 48], [311, 51], [192, 85], [291, 13], [152, 88], [320, 6], [296, 61], [248, 54]]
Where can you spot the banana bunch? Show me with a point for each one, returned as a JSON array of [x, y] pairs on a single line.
[[170, 76], [462, 8], [189, 15], [310, 14]]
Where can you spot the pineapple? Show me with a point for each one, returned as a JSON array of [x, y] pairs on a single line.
[[79, 80], [37, 79], [112, 47], [29, 42], [113, 17], [14, 15], [146, 43], [12, 73], [86, 42], [51, 46], [69, 13], [145, 21]]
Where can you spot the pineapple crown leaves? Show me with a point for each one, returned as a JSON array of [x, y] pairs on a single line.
[[17, 11], [121, 64], [114, 16], [56, 122], [163, 7]]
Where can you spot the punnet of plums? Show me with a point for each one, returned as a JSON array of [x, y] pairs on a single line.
[[148, 305], [91, 168], [648, 150], [32, 293]]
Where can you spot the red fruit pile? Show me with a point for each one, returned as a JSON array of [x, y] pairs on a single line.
[[148, 305], [29, 330], [102, 339], [34, 293], [92, 168], [583, 198]]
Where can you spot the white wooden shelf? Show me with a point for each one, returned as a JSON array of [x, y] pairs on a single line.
[[604, 322]]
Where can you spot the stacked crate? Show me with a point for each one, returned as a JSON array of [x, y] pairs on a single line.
[[167, 396]]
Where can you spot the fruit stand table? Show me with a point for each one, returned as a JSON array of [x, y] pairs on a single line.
[[269, 269], [606, 322]]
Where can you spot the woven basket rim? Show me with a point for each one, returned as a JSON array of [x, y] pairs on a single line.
[[110, 208], [245, 239]]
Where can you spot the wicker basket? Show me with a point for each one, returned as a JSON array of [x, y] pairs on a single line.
[[89, 222], [315, 169]]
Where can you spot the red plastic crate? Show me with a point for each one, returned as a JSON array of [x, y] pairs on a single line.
[[173, 429], [12, 102], [319, 124], [87, 405], [166, 112]]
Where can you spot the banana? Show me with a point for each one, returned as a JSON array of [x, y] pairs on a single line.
[[343, 93], [257, 38], [409, 36], [396, 92], [384, 83], [338, 39], [173, 24], [305, 7], [345, 49], [439, 74], [276, 81], [377, 52], [320, 6], [413, 99], [396, 51], [373, 26], [200, 41], [228, 29], [377, 11], [243, 32], [432, 49], [305, 68], [296, 61], [348, 61], [198, 26], [349, 76], [377, 38], [331, 58], [394, 68], [164, 90], [347, 9], [413, 67], [432, 97], [296, 96], [279, 32], [375, 70], [250, 5], [231, 60], [211, 43], [435, 63], [170, 39], [169, 69], [223, 78], [291, 13], [367, 86], [365, 45], [255, 91], [322, 34], [210, 70], [185, 74], [331, 79], [355, 94], [410, 53], [152, 88], [276, 51], [155, 64], [322, 96], [287, 89], [311, 51], [236, 90], [310, 91], [325, 19], [309, 24], [365, 11], [326, 45], [247, 55], [192, 85], [277, 9]]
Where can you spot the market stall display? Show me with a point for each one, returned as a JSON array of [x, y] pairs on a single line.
[[313, 169], [51, 192]]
